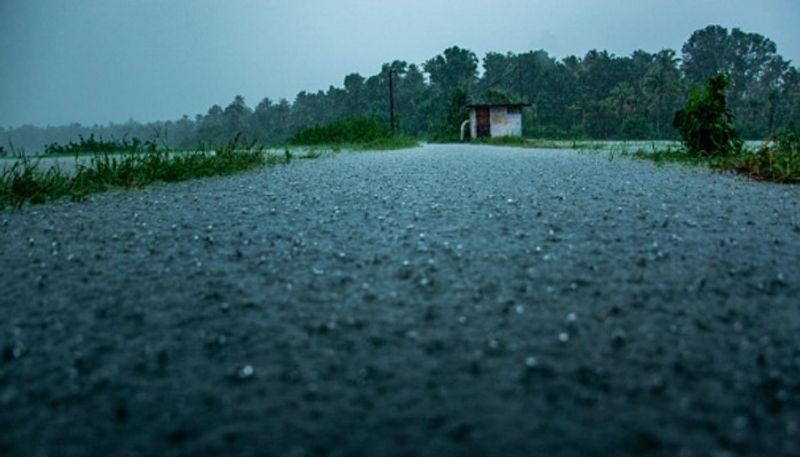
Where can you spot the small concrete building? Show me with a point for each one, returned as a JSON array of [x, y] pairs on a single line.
[[495, 120]]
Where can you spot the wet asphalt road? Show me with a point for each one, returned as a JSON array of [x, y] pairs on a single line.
[[446, 300]]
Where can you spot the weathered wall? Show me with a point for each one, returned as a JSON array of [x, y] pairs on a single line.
[[505, 123]]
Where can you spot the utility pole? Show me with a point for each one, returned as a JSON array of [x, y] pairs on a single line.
[[391, 98]]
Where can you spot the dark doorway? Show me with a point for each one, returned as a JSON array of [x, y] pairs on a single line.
[[482, 120]]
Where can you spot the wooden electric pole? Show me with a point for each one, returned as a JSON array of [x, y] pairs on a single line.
[[391, 98]]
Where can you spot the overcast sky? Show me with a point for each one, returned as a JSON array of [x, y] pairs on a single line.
[[95, 61]]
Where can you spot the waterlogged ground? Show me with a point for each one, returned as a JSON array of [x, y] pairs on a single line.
[[447, 300]]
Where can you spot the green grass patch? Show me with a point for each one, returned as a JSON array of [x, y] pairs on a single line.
[[125, 165], [385, 144], [94, 145], [360, 134], [777, 160], [25, 182]]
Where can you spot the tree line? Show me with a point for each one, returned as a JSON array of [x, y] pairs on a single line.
[[598, 96]]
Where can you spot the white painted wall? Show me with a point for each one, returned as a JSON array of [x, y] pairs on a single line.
[[504, 123]]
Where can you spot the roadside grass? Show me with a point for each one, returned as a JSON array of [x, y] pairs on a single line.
[[25, 182], [50, 155], [94, 145], [776, 163], [777, 160]]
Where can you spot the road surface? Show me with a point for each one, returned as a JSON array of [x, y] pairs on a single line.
[[445, 300]]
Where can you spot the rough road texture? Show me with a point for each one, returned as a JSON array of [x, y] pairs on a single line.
[[446, 300]]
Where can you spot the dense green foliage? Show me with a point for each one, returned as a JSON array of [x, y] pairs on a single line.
[[448, 127], [93, 145], [344, 131], [598, 96], [706, 122], [765, 88]]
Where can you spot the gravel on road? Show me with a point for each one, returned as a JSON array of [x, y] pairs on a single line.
[[445, 300]]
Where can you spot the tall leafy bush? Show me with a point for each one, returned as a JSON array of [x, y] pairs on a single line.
[[706, 122]]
